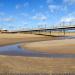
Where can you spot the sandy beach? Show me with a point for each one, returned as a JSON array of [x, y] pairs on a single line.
[[66, 46], [23, 64], [36, 65], [7, 39], [37, 37], [56, 33]]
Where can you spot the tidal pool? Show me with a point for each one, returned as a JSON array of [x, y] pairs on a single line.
[[15, 50]]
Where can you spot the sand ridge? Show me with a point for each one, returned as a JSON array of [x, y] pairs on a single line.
[[66, 46]]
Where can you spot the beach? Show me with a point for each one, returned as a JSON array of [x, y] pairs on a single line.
[[37, 37], [10, 38], [64, 46], [7, 39], [20, 64], [37, 43]]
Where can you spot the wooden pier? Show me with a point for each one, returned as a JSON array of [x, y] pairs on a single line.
[[50, 30]]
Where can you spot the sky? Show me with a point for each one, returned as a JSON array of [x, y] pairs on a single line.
[[28, 14]]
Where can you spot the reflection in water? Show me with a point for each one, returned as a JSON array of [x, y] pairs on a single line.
[[15, 50]]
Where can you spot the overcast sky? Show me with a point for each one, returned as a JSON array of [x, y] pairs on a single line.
[[16, 14]]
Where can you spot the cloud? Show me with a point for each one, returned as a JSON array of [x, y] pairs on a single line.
[[69, 2], [49, 1], [7, 19], [24, 23], [18, 6], [33, 10], [57, 8], [24, 14], [68, 19], [26, 4], [64, 8], [53, 7], [72, 14], [41, 6], [39, 16]]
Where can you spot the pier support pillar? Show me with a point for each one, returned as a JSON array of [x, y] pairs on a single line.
[[64, 31], [50, 32]]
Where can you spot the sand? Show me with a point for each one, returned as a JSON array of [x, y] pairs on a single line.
[[66, 46], [56, 33], [20, 64], [7, 39]]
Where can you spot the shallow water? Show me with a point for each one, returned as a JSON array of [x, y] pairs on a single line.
[[15, 50]]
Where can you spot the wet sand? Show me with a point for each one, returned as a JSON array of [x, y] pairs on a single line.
[[20, 64], [65, 46]]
